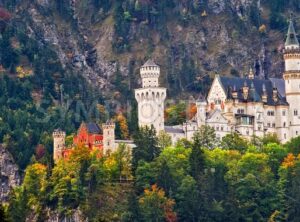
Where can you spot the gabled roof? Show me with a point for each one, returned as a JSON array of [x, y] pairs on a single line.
[[255, 89], [291, 36], [215, 113], [93, 128]]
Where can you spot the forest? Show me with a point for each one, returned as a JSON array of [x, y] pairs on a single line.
[[203, 180], [200, 180]]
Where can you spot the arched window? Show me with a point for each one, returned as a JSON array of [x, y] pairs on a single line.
[[295, 112]]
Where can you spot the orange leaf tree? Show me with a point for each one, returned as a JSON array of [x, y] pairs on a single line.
[[155, 206]]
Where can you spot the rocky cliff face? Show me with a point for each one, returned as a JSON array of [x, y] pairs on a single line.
[[9, 174], [222, 40], [53, 216]]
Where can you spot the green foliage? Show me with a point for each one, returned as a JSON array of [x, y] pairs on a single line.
[[18, 207], [155, 206], [234, 141], [3, 214], [146, 146], [206, 138], [9, 57], [164, 140], [293, 145], [187, 199], [28, 120], [270, 138], [176, 114], [197, 160]]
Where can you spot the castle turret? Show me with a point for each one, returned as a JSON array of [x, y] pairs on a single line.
[[109, 137], [245, 90], [59, 145], [151, 97], [201, 112], [292, 79]]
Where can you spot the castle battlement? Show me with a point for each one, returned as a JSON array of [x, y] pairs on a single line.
[[59, 134]]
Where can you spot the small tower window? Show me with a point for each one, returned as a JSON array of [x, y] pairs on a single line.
[[295, 112]]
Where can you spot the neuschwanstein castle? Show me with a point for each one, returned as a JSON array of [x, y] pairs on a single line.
[[247, 106]]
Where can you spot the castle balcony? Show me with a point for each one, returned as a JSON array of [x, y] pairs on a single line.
[[291, 50], [244, 120]]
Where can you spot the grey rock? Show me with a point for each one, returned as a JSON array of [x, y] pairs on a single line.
[[9, 174]]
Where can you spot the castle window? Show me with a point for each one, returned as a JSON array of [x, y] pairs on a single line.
[[296, 132], [273, 125], [295, 112], [284, 136], [270, 113], [269, 124], [283, 112], [240, 111], [284, 124]]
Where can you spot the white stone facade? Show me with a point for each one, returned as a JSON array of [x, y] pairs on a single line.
[[151, 98], [247, 106]]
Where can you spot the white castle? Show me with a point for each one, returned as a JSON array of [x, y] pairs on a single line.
[[248, 106]]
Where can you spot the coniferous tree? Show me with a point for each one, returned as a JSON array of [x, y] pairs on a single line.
[[196, 160], [165, 179], [146, 146], [187, 199]]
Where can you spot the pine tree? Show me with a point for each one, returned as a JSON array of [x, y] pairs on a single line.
[[146, 146], [197, 159]]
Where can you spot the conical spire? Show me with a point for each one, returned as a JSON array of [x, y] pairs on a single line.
[[291, 40], [149, 62]]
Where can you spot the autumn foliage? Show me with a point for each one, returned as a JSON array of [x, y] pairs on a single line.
[[155, 204], [4, 14]]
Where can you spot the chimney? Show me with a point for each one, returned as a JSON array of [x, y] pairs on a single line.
[[275, 94], [234, 94], [245, 90], [264, 95]]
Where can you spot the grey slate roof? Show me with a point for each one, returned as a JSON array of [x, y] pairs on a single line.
[[291, 36], [171, 129], [149, 62], [93, 128], [255, 89]]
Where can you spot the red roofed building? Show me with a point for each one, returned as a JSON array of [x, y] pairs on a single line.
[[89, 135]]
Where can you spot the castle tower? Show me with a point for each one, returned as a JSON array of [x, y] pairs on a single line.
[[201, 112], [109, 144], [151, 97], [292, 79], [59, 137]]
